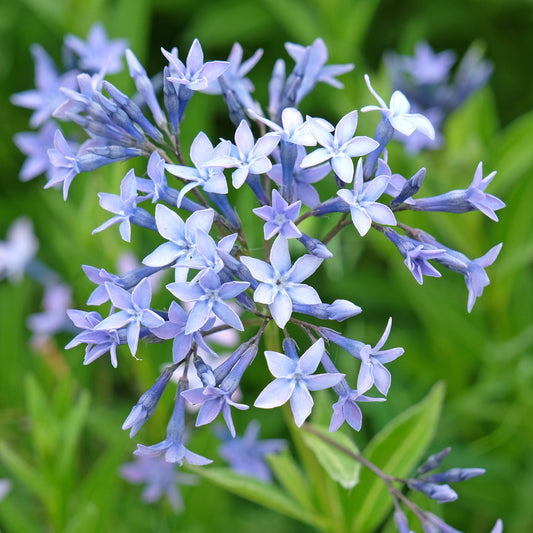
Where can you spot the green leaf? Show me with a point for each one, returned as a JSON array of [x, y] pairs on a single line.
[[24, 472], [291, 477], [396, 450], [340, 466], [264, 494]]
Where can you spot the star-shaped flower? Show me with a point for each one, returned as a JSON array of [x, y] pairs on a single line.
[[397, 112], [340, 147], [362, 201], [281, 282], [295, 377], [280, 217]]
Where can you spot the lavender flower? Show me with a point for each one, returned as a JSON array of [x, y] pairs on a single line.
[[340, 147], [205, 174], [363, 207], [280, 217], [247, 156], [208, 295], [281, 285], [181, 237], [47, 96], [161, 478], [397, 113], [246, 455], [195, 75], [98, 52], [295, 377], [172, 447], [134, 311], [461, 201], [18, 250]]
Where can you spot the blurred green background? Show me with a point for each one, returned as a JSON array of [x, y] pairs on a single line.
[[484, 358]]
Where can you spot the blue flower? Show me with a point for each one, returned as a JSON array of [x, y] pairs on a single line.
[[98, 52], [181, 236], [124, 207], [247, 156], [295, 377], [161, 478], [281, 285], [134, 311], [461, 201], [47, 95], [195, 75], [205, 173], [363, 207], [397, 113], [280, 217], [208, 295], [18, 250], [172, 447], [340, 147], [246, 455]]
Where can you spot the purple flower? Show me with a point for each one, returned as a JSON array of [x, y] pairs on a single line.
[[338, 310], [314, 58], [196, 75], [473, 270], [246, 454], [35, 146], [346, 408], [204, 173], [294, 379], [235, 76], [56, 300], [340, 147], [281, 285], [397, 113], [247, 156], [135, 310], [172, 447], [98, 342], [47, 95], [174, 328], [18, 250], [161, 478], [280, 217], [372, 370], [461, 201], [98, 52], [124, 207], [363, 207], [416, 255], [208, 295], [181, 236], [303, 178]]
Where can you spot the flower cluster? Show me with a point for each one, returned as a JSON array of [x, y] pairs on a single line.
[[199, 235]]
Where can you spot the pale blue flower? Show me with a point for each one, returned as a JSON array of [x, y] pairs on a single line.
[[248, 156], [208, 295], [281, 285], [340, 147], [134, 311], [246, 455], [362, 201], [98, 52], [295, 377], [18, 249], [397, 113], [279, 217], [195, 75]]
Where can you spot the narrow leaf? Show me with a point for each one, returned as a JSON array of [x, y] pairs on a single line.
[[340, 466], [396, 449], [291, 477], [256, 491]]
